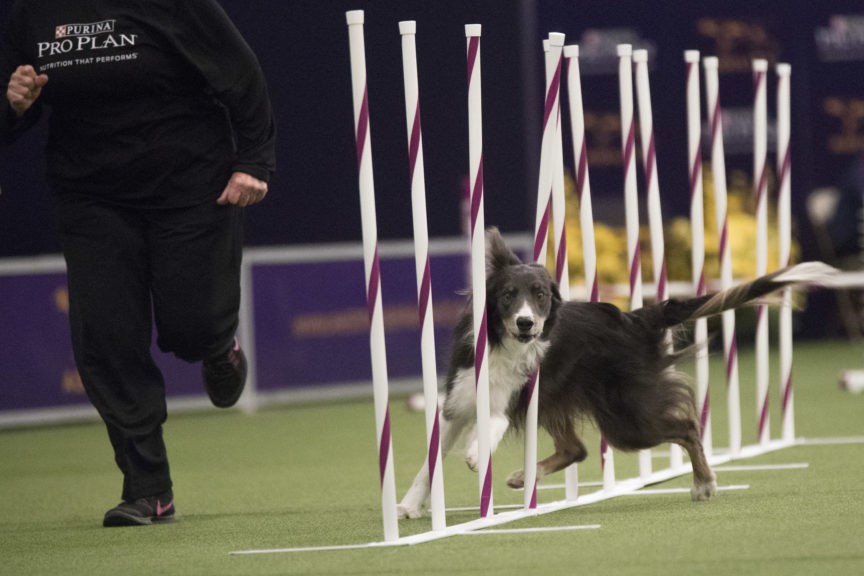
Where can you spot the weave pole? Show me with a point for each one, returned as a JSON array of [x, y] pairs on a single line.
[[478, 269], [408, 30], [631, 198], [583, 181], [559, 204], [784, 215], [586, 220], [697, 227], [373, 273], [589, 248], [718, 170], [760, 184], [550, 199], [555, 63], [655, 214], [649, 157]]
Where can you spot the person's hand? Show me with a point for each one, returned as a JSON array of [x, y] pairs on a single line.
[[24, 88], [243, 190]]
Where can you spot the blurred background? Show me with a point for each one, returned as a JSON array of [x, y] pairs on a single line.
[[313, 200]]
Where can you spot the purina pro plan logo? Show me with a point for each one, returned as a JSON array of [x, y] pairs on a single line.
[[74, 38]]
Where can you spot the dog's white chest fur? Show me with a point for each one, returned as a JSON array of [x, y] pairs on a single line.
[[510, 366]]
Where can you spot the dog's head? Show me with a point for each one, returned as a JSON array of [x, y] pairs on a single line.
[[521, 299]]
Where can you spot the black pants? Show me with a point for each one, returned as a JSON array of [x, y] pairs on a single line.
[[127, 268]]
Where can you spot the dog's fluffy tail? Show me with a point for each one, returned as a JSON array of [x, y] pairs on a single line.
[[679, 311]]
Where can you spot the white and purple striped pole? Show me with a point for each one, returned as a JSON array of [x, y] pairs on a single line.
[[697, 228], [628, 150], [550, 199], [718, 170], [631, 197], [583, 182], [555, 64], [649, 159], [784, 213], [589, 248], [408, 30], [547, 163], [478, 269], [586, 220], [652, 182], [373, 274], [760, 184]]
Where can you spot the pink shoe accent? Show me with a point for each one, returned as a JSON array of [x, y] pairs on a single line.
[[160, 510]]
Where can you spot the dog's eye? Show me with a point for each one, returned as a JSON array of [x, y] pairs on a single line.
[[507, 298], [541, 296]]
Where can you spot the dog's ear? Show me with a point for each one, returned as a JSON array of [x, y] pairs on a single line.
[[498, 254], [557, 301], [556, 295]]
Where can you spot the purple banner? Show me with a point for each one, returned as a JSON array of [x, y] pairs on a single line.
[[36, 357], [35, 353], [312, 325]]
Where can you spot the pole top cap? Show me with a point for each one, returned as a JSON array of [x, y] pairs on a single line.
[[408, 27], [472, 30]]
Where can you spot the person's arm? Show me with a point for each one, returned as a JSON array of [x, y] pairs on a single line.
[[20, 85], [208, 39]]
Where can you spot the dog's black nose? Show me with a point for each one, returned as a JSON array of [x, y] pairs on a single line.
[[524, 323]]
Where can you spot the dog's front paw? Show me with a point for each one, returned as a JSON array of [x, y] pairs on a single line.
[[472, 457], [404, 511], [704, 491], [471, 461], [516, 480]]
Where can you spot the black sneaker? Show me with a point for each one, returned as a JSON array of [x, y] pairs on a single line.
[[225, 376], [142, 512]]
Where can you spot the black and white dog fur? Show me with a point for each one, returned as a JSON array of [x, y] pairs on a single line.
[[595, 361]]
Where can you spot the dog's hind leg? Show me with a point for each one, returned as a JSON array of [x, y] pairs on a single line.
[[704, 480], [687, 435], [415, 501], [568, 449]]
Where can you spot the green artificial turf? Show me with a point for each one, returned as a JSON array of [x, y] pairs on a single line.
[[307, 476]]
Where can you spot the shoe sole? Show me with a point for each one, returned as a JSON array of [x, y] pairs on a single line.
[[119, 519]]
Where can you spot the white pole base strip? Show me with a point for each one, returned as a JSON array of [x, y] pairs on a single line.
[[624, 488], [408, 29], [373, 274]]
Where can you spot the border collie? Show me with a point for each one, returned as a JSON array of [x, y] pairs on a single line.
[[595, 362]]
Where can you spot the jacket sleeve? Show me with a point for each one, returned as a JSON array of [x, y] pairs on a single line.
[[207, 38], [12, 126]]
